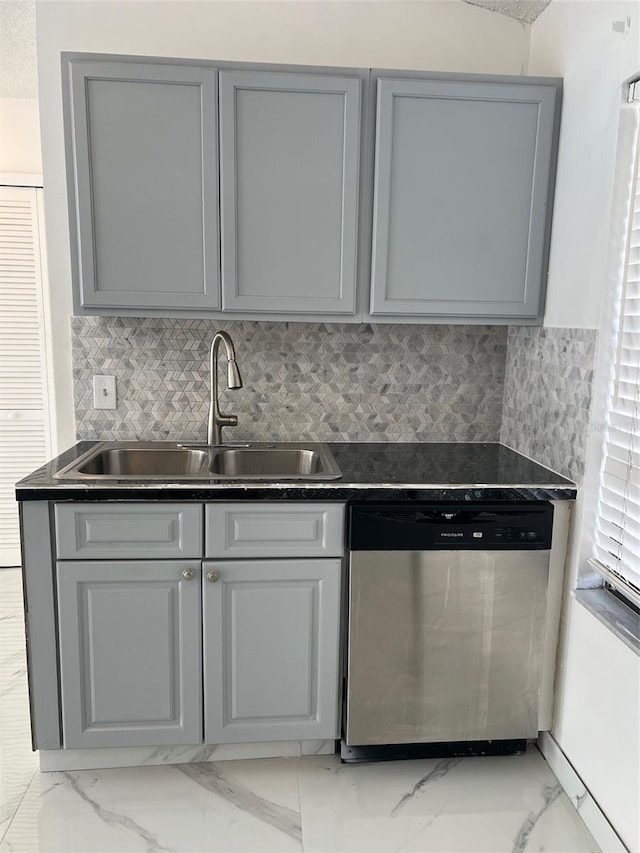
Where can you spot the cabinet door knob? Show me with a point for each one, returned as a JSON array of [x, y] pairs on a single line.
[[214, 576], [188, 574]]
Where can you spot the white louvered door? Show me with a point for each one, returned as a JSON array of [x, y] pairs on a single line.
[[24, 415]]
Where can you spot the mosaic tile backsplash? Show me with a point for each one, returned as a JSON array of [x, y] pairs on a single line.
[[547, 395], [306, 381]]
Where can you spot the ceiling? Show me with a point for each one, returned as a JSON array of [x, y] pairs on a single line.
[[524, 10]]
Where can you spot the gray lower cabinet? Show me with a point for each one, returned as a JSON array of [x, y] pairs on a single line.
[[463, 179], [289, 172], [143, 184], [131, 627], [271, 639], [130, 652]]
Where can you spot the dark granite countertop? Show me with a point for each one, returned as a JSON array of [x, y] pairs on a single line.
[[370, 472]]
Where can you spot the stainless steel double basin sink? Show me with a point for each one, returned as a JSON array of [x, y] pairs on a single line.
[[167, 461]]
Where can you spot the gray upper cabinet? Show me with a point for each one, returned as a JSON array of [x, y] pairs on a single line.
[[289, 170], [264, 191], [463, 173], [143, 185]]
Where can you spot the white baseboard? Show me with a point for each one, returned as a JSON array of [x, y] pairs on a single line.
[[592, 816]]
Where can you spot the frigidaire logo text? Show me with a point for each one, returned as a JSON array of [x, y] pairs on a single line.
[[452, 534]]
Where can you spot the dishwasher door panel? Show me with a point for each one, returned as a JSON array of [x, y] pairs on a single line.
[[444, 645]]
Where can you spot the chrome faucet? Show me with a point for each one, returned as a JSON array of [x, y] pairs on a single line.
[[216, 419]]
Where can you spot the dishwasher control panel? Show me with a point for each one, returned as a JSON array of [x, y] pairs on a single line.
[[420, 527]]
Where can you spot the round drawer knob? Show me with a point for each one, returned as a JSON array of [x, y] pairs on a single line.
[[188, 574], [213, 577]]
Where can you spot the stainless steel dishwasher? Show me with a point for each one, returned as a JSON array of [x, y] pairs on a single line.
[[446, 621]]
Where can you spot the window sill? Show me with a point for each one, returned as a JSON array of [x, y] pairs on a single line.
[[621, 620]]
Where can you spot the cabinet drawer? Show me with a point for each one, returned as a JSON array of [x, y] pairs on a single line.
[[128, 530], [274, 530]]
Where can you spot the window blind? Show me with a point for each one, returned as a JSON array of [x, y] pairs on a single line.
[[617, 536]]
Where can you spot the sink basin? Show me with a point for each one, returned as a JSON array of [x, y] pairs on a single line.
[[165, 461], [144, 462], [269, 463]]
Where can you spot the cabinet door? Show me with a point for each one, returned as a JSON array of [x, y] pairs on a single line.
[[289, 164], [461, 201], [130, 652], [271, 650], [143, 181]]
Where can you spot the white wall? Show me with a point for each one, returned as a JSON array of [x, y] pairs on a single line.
[[20, 137], [575, 39], [436, 35], [598, 686], [19, 121]]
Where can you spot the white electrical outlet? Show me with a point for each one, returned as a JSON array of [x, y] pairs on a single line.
[[104, 392]]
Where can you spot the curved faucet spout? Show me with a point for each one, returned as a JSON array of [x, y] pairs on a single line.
[[216, 419]]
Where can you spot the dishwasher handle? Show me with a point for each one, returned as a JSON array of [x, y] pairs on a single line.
[[441, 516]]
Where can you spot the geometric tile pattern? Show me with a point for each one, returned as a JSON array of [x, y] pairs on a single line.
[[306, 381], [547, 395]]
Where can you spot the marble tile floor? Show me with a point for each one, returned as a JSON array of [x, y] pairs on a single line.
[[312, 804]]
